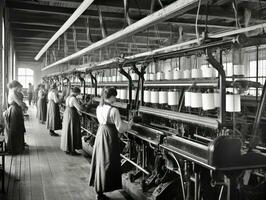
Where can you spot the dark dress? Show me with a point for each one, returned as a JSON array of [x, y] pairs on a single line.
[[105, 165], [15, 128], [42, 108], [53, 116], [71, 133]]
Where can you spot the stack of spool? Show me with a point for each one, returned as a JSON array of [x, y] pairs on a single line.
[[154, 97], [208, 101], [233, 103], [173, 98], [207, 72], [187, 99], [100, 91], [118, 93], [147, 96], [146, 76], [163, 97], [109, 78], [160, 76], [196, 99], [114, 78], [123, 94], [105, 79], [196, 73], [119, 77], [152, 77], [187, 74], [134, 76], [169, 75], [217, 101], [178, 74], [124, 78]]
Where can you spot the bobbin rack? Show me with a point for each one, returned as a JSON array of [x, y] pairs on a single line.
[[190, 131]]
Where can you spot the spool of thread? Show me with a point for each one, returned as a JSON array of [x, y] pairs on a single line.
[[118, 93], [124, 78], [178, 74], [134, 76], [196, 100], [147, 96], [100, 79], [154, 97], [208, 101], [207, 72], [146, 77], [233, 103], [239, 70], [89, 90], [187, 73], [163, 97], [187, 99], [152, 77], [119, 78], [173, 98], [104, 79], [100, 91], [134, 94], [196, 73], [109, 78], [217, 102], [169, 75], [113, 78], [160, 76], [123, 95]]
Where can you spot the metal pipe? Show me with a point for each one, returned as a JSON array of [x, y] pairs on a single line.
[[257, 71], [135, 164], [219, 67], [83, 6]]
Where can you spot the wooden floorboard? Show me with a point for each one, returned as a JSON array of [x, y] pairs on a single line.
[[44, 172]]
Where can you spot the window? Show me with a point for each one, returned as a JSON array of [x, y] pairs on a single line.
[[25, 76]]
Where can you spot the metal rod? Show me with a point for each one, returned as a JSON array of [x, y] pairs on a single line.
[[257, 72], [135, 164]]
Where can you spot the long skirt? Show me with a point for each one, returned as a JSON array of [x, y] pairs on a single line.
[[105, 166], [15, 129], [53, 116], [41, 110], [71, 133]]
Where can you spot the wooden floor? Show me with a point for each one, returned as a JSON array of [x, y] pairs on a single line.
[[44, 172]]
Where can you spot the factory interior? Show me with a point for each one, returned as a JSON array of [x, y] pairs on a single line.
[[184, 82]]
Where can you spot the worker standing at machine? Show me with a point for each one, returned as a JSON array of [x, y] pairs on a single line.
[[105, 166], [41, 104], [71, 133], [14, 121], [53, 112]]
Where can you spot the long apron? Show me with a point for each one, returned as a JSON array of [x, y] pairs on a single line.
[[71, 133], [53, 116], [41, 109], [105, 165], [15, 129]]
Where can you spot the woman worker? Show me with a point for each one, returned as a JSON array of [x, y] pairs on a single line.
[[41, 104], [53, 112], [14, 119], [71, 133], [105, 167]]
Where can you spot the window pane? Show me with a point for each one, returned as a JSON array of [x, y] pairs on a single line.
[[21, 71], [29, 72]]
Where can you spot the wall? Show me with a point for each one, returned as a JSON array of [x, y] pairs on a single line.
[[35, 66]]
